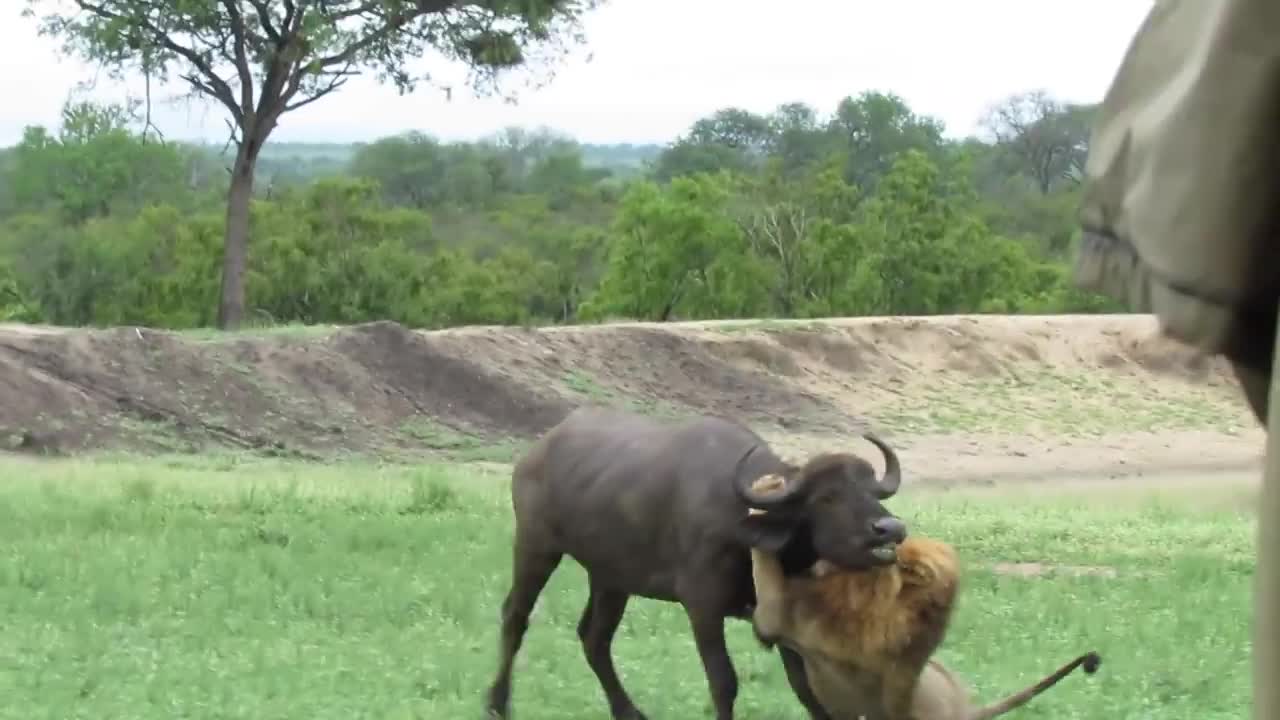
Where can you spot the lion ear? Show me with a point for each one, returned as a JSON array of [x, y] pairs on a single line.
[[768, 484]]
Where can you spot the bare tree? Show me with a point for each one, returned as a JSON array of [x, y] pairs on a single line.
[[1047, 139]]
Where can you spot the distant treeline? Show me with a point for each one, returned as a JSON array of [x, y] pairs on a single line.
[[292, 163], [797, 213]]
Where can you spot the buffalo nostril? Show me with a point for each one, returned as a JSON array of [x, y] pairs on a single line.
[[889, 528]]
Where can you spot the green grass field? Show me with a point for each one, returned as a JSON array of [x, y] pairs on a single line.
[[225, 588]]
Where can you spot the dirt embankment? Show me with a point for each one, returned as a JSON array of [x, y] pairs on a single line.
[[962, 396]]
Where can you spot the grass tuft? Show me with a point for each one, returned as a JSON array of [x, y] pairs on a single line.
[[430, 494]]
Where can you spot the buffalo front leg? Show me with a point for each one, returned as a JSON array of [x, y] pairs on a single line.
[[600, 620], [793, 664], [708, 633], [530, 572]]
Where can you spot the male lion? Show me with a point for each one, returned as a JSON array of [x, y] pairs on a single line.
[[867, 637]]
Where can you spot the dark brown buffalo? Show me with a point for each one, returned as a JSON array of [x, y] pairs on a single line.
[[658, 509]]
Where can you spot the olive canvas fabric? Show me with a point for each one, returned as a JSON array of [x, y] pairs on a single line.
[[1182, 180], [1179, 218]]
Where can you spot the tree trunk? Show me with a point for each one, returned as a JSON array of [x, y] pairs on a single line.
[[236, 241]]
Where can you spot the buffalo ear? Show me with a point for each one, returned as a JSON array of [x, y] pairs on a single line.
[[760, 531]]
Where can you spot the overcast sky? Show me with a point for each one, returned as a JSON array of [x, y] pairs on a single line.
[[658, 65]]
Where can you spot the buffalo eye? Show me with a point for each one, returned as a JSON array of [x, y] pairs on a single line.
[[828, 498]]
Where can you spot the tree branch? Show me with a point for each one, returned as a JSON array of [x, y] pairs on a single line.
[[232, 131], [284, 75], [215, 86], [263, 11], [349, 13], [393, 24], [292, 17], [205, 88], [242, 60], [338, 80], [147, 124]]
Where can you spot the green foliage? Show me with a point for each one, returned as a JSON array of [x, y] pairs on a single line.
[[296, 52], [156, 268], [676, 252], [95, 166], [868, 211], [15, 306]]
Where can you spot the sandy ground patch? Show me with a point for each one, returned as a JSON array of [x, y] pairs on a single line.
[[965, 398]]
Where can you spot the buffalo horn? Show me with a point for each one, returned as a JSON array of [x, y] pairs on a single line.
[[888, 485]]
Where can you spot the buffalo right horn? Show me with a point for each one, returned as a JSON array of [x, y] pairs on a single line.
[[745, 485], [888, 485]]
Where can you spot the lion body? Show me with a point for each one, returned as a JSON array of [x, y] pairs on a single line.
[[867, 638]]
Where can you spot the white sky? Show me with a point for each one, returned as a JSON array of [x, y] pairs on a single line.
[[659, 65]]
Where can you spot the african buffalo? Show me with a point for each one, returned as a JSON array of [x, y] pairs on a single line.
[[659, 509]]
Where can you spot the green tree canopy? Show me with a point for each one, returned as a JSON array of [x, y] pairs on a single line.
[[101, 224]]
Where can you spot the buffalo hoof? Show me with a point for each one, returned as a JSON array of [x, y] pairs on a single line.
[[631, 714]]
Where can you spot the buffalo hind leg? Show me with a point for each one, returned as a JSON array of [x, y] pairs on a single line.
[[793, 664], [600, 620], [708, 633], [530, 571]]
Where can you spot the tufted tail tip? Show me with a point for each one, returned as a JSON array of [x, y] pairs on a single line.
[[1091, 662]]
